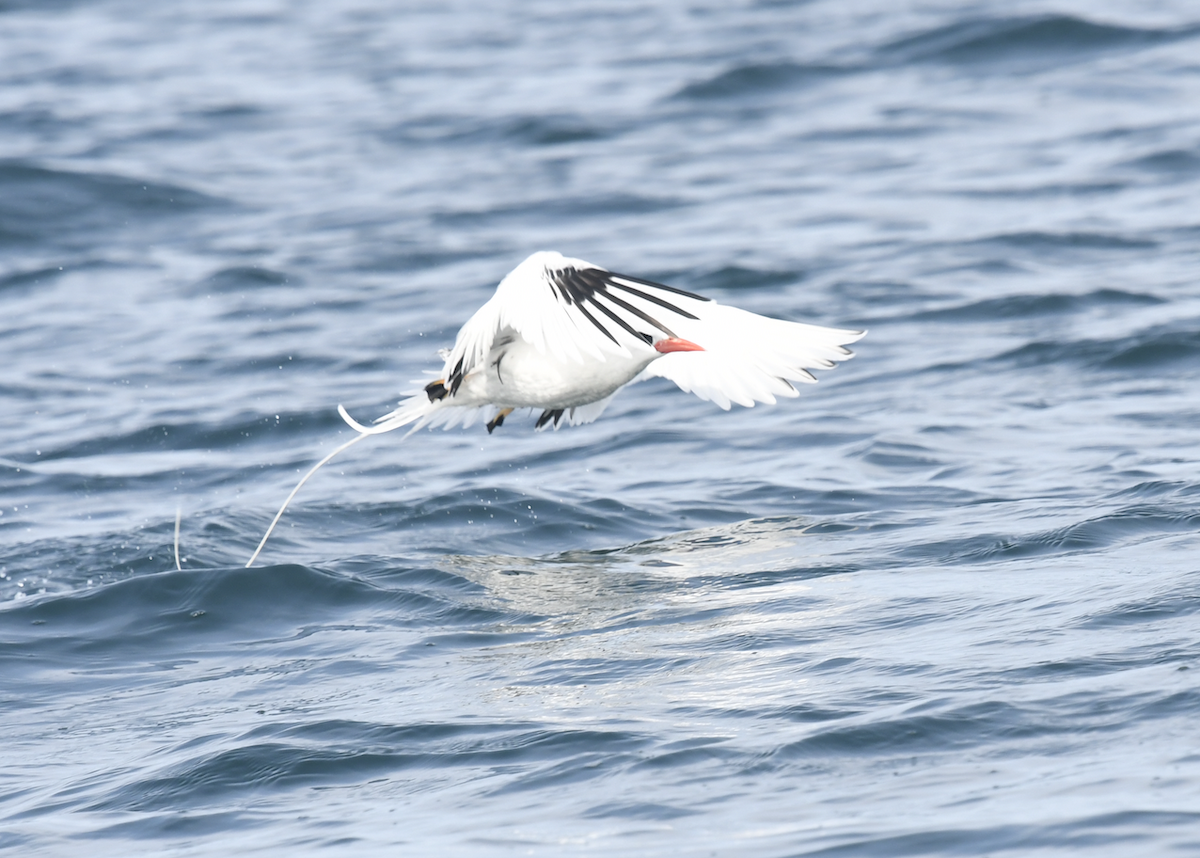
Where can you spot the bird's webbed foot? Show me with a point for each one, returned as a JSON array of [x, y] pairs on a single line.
[[436, 390], [498, 420]]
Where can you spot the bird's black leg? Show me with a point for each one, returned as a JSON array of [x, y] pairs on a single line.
[[498, 420]]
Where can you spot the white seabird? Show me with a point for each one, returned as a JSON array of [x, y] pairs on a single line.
[[564, 336]]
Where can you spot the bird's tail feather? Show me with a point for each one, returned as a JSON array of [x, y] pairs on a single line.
[[417, 411], [303, 480]]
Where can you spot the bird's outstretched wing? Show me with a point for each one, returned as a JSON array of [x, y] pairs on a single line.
[[574, 310], [749, 358], [571, 310]]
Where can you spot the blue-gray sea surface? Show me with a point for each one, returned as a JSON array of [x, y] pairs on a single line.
[[947, 602]]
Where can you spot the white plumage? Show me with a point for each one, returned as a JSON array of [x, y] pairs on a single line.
[[563, 335]]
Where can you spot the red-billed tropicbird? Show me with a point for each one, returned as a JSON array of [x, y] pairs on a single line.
[[563, 336]]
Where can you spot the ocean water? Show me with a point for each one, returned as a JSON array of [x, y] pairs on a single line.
[[945, 603]]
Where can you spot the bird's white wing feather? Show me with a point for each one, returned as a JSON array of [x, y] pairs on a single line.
[[749, 358], [570, 310], [582, 414]]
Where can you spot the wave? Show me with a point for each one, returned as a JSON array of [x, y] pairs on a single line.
[[194, 434], [1049, 189], [41, 205], [536, 130], [1044, 241], [735, 277], [899, 456], [758, 79], [1040, 40], [39, 5], [964, 727], [240, 278], [1153, 349], [554, 130], [1160, 489], [1080, 834], [1035, 306], [169, 614], [28, 278], [1157, 608], [1168, 161], [1129, 525], [352, 752], [558, 209], [1034, 42]]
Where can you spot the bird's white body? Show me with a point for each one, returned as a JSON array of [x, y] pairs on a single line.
[[564, 335], [516, 375]]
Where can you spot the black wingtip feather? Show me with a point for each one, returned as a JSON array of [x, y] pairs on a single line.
[[583, 286], [642, 282]]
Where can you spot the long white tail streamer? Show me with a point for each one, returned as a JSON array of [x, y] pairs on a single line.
[[178, 519], [385, 425], [303, 480], [363, 432]]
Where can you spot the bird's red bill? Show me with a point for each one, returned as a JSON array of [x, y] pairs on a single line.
[[674, 344]]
